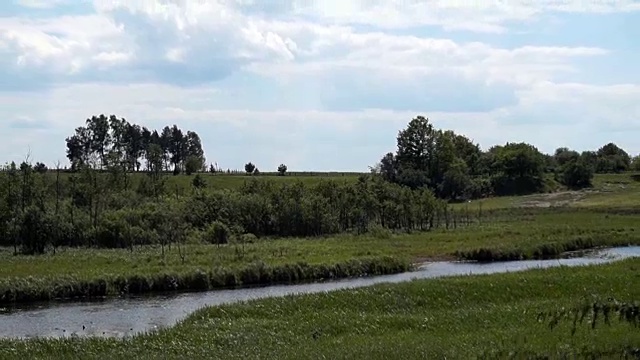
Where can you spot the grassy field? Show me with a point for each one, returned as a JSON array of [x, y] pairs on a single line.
[[533, 226], [182, 183], [465, 317], [456, 318]]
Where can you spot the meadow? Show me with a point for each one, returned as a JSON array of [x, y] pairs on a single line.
[[182, 184], [488, 316], [503, 228]]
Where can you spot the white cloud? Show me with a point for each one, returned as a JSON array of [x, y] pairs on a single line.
[[42, 4], [62, 45], [347, 139], [483, 16], [289, 72]]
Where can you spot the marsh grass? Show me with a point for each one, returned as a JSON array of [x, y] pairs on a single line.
[[504, 234], [31, 289], [485, 316]]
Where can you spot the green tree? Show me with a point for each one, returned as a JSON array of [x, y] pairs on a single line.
[[416, 146], [249, 168], [199, 182], [217, 233], [98, 127], [36, 229], [193, 165], [519, 169], [564, 155], [282, 169], [576, 174], [612, 158]]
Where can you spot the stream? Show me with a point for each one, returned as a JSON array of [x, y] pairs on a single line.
[[123, 317]]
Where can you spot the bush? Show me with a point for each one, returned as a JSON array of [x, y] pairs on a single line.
[[217, 233]]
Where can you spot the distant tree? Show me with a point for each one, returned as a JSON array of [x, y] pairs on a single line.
[[456, 182], [282, 169], [217, 233], [576, 174], [199, 182], [249, 168], [256, 171], [416, 146], [193, 164], [635, 163], [563, 156], [40, 168], [518, 169], [611, 158], [388, 167], [36, 228]]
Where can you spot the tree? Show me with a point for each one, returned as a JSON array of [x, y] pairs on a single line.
[[563, 156], [456, 182], [518, 169], [98, 127], [416, 145], [611, 158], [249, 168], [40, 168], [282, 169], [36, 229], [389, 167], [217, 233], [199, 182], [155, 158], [576, 174], [193, 164], [635, 163]]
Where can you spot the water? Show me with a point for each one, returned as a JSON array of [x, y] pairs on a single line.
[[125, 317]]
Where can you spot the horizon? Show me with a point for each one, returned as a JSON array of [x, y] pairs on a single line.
[[320, 87]]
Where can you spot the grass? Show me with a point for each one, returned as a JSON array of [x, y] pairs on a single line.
[[527, 233], [182, 183], [504, 229], [456, 318], [32, 289], [465, 317]]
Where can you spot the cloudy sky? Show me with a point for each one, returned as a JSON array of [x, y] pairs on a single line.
[[324, 84]]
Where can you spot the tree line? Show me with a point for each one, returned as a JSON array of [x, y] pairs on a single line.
[[454, 167], [101, 204], [110, 141]]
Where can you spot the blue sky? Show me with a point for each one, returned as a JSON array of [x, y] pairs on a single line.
[[320, 85]]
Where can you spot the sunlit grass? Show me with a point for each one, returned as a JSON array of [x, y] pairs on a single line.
[[456, 318]]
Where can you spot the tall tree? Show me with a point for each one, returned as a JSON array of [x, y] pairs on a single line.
[[101, 137]]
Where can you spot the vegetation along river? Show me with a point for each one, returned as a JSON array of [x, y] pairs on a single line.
[[127, 316]]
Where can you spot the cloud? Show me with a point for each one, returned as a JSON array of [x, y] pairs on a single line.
[[548, 116], [458, 15], [42, 4], [321, 85]]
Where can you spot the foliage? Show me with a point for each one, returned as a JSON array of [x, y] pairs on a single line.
[[455, 168], [282, 169], [249, 168], [218, 233], [199, 182], [465, 317], [592, 311], [102, 135]]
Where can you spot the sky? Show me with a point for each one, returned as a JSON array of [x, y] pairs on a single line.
[[320, 85]]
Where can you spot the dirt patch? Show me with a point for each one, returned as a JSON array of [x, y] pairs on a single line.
[[557, 199]]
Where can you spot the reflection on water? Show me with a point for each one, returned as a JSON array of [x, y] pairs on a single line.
[[124, 317]]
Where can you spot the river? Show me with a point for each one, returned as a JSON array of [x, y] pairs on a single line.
[[122, 317]]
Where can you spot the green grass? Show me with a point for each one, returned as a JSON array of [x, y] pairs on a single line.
[[525, 233], [220, 181], [454, 318], [504, 229]]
